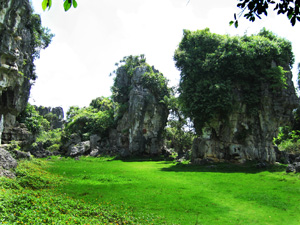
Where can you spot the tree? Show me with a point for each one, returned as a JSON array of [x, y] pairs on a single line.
[[179, 133], [46, 4], [252, 9], [214, 66]]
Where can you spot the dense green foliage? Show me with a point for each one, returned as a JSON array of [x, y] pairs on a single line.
[[99, 191], [288, 138], [51, 139], [40, 127], [42, 35], [95, 119], [152, 79], [214, 67], [34, 122]]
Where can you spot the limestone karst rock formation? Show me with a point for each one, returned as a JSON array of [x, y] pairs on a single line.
[[140, 115], [54, 115], [139, 131], [7, 162], [16, 59], [18, 48], [243, 137], [141, 121]]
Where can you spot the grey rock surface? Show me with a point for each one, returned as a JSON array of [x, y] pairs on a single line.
[[16, 59], [54, 115], [242, 136], [82, 148], [139, 131], [7, 162]]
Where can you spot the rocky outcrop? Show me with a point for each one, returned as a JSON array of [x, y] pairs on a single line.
[[243, 136], [82, 148], [18, 133], [54, 115], [7, 162], [17, 51], [140, 128]]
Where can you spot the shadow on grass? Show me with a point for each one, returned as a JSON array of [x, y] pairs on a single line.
[[145, 158], [224, 168]]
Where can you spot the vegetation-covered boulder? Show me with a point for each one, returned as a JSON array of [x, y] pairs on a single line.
[[237, 90]]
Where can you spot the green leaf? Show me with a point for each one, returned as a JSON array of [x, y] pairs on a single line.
[[49, 3], [44, 4], [231, 22], [236, 24], [74, 4], [67, 5]]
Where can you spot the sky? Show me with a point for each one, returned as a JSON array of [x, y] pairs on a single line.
[[90, 39]]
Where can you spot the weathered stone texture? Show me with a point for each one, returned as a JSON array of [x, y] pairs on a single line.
[[243, 136], [16, 59], [140, 128], [54, 115], [7, 162]]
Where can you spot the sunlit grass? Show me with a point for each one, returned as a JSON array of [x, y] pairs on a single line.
[[104, 190], [185, 194]]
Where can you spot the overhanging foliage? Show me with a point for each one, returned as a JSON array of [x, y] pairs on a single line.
[[214, 67]]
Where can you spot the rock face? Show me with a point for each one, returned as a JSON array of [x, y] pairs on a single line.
[[248, 137], [142, 118], [16, 59], [140, 128], [54, 115], [7, 162], [18, 133]]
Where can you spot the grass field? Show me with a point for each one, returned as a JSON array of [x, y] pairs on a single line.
[[161, 192]]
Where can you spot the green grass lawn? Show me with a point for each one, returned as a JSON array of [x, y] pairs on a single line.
[[161, 192], [185, 194]]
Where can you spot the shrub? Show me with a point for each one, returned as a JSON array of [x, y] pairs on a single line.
[[34, 122], [95, 119], [50, 138], [290, 146]]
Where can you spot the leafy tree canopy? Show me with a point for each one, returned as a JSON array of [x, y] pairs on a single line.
[[212, 66], [252, 9]]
